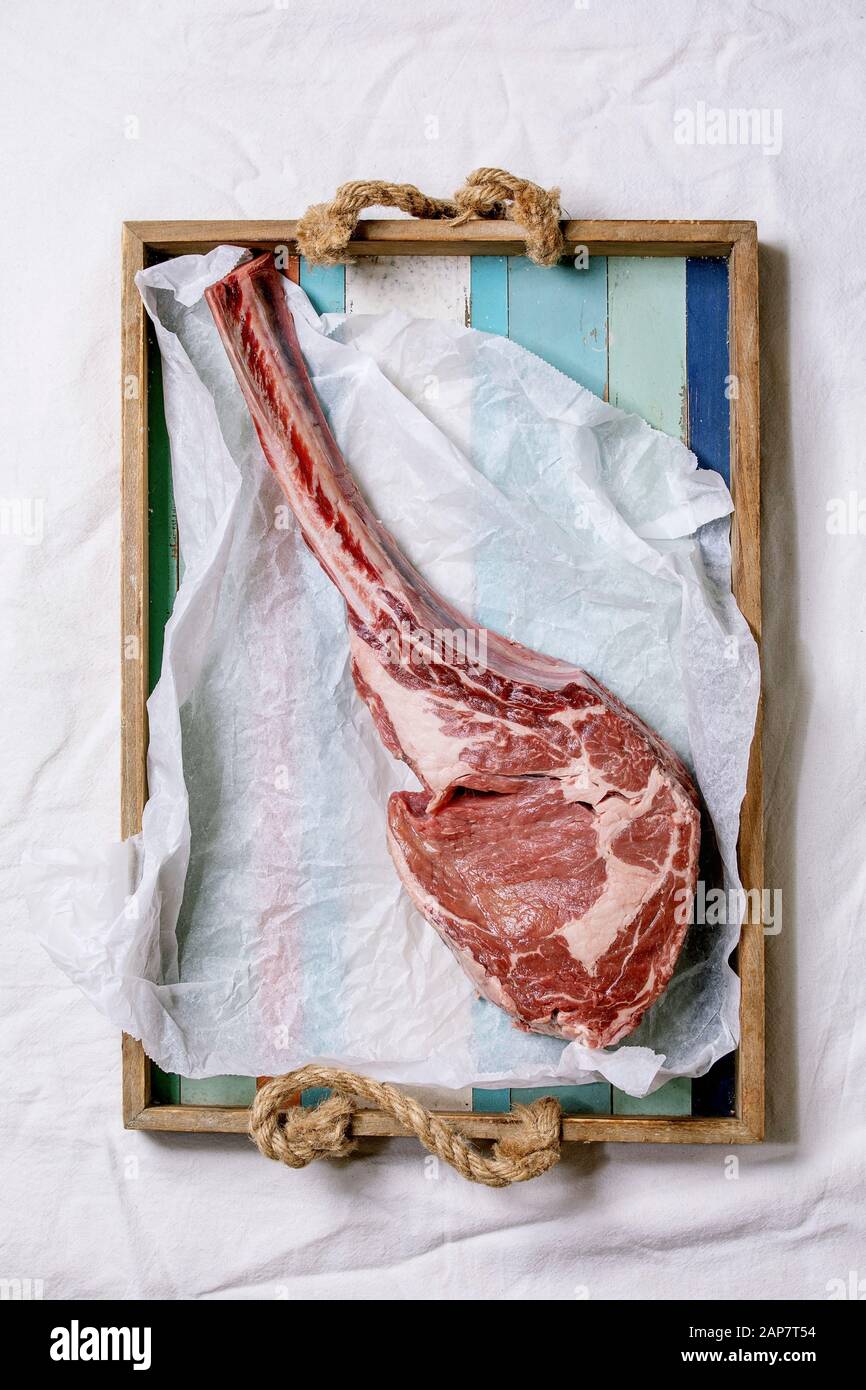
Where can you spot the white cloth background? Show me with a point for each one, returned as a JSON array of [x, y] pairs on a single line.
[[245, 108]]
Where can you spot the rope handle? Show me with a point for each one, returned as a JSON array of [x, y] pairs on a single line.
[[294, 1135], [325, 230]]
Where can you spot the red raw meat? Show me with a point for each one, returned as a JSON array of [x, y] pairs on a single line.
[[554, 846]]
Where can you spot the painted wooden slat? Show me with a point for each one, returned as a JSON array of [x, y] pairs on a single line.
[[162, 547], [433, 287], [432, 1097], [313, 1096], [164, 1086], [427, 287], [708, 362], [162, 560], [325, 287], [593, 1099], [489, 294], [488, 311], [163, 576], [647, 339], [674, 1098], [708, 365], [716, 1093], [218, 1090], [560, 314], [491, 1102], [647, 374]]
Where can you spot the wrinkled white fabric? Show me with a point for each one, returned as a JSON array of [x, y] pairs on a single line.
[[244, 110]]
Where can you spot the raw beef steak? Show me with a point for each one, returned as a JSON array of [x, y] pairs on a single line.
[[554, 845]]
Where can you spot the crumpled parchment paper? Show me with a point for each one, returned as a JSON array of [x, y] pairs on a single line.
[[257, 923]]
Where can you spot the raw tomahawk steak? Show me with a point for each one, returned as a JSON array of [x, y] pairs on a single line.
[[554, 844]]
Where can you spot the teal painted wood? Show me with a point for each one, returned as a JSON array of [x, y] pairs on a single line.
[[674, 1098], [218, 1090], [593, 1099], [325, 287], [489, 311], [491, 1102], [314, 1096], [489, 294], [647, 339], [560, 314]]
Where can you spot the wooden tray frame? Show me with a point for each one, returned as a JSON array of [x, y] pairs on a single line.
[[142, 242]]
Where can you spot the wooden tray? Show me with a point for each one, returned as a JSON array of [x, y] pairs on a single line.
[[663, 321]]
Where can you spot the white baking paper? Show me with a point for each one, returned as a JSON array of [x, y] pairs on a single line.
[[257, 922]]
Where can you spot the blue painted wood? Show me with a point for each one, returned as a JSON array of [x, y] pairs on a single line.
[[593, 1099], [489, 294], [708, 362], [325, 287], [560, 314], [715, 1093]]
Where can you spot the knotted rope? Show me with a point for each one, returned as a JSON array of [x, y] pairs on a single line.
[[295, 1135], [325, 229], [487, 192]]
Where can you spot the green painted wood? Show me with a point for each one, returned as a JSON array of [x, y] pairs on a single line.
[[218, 1090], [593, 1099], [674, 1098], [162, 561], [560, 314], [647, 374], [164, 1086], [647, 339], [162, 547], [163, 575]]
